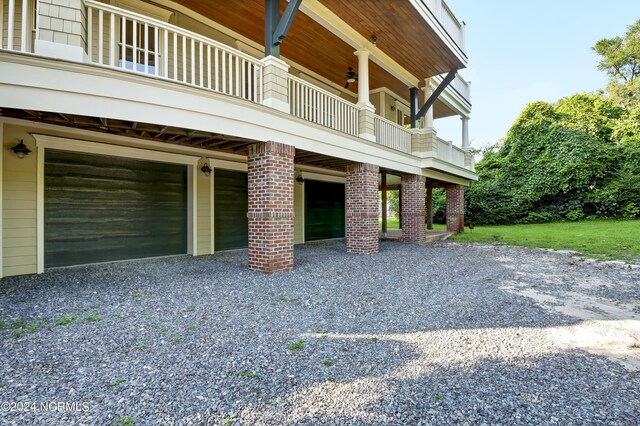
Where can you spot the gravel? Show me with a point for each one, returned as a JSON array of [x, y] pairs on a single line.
[[412, 335]]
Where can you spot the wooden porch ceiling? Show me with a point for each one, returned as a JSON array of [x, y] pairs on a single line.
[[316, 48]]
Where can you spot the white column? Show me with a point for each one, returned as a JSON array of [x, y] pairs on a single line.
[[363, 77], [428, 117], [465, 132]]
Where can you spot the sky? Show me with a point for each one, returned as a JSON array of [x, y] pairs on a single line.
[[522, 51]]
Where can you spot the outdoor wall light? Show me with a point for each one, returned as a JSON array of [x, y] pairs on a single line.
[[206, 169], [21, 149], [299, 179], [374, 40]]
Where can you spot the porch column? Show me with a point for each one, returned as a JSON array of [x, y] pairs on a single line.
[[428, 117], [430, 205], [468, 160], [362, 208], [62, 31], [383, 191], [455, 208], [366, 110], [270, 186], [413, 208], [275, 84]]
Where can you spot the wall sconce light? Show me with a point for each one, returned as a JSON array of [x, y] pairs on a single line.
[[206, 169], [21, 149], [299, 179]]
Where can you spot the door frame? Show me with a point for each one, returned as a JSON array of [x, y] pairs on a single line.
[[44, 142]]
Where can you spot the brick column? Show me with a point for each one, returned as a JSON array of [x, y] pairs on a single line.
[[362, 208], [270, 213], [413, 208], [455, 208]]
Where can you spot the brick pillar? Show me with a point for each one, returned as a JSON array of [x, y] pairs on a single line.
[[413, 208], [270, 213], [362, 208], [455, 208]]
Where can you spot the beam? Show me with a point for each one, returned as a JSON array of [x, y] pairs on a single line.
[[275, 27], [436, 93]]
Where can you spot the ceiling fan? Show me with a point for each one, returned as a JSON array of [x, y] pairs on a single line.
[[351, 77]]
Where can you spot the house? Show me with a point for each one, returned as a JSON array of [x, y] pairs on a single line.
[[136, 128]]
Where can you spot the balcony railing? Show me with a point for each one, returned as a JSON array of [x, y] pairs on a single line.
[[319, 106], [16, 35], [392, 135], [459, 84], [132, 42], [448, 20]]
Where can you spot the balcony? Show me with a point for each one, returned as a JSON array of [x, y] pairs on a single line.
[[117, 39]]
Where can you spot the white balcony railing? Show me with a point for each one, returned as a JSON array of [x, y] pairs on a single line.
[[448, 20], [459, 84], [450, 153], [15, 36], [392, 135], [121, 39], [319, 106]]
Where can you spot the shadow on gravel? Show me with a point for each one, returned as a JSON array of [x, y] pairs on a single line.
[[411, 333]]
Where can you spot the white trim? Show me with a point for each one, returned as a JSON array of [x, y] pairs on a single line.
[[1, 174], [44, 142], [323, 178], [143, 8], [228, 165], [212, 222], [1, 37], [40, 153]]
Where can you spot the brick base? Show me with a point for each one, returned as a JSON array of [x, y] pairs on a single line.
[[413, 208], [270, 182], [362, 208], [455, 208]]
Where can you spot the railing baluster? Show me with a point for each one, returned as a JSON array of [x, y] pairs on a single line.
[[156, 51], [215, 72], [209, 73], [134, 44], [175, 56], [242, 81], [112, 40], [25, 23], [89, 32], [100, 36], [201, 64], [238, 76], [123, 42], [184, 59], [223, 77], [146, 48], [165, 68], [10, 24], [193, 62]]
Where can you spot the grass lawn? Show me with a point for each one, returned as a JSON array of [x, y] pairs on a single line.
[[394, 223], [603, 239]]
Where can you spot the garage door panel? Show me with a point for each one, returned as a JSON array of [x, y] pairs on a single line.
[[324, 216], [231, 203], [100, 208]]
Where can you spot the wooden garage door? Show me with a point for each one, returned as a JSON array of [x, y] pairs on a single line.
[[324, 214], [231, 204], [100, 208]]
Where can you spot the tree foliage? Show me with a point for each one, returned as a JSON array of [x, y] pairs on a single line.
[[620, 58], [562, 161]]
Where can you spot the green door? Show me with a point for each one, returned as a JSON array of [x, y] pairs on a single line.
[[231, 204], [324, 213], [100, 208]]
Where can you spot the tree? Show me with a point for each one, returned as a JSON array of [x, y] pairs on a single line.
[[620, 58]]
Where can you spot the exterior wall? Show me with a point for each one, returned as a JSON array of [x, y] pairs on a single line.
[[298, 210], [413, 208], [19, 247], [271, 211], [455, 208], [205, 213], [361, 206]]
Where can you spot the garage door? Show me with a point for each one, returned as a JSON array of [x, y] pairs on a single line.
[[231, 204], [324, 214], [100, 208]]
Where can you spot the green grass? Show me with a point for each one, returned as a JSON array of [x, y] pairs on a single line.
[[394, 223], [296, 346], [602, 239]]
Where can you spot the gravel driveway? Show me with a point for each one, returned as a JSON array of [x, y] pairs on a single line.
[[438, 334]]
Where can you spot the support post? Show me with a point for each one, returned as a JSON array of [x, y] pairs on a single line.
[[429, 205], [413, 209], [413, 104], [428, 116], [362, 208], [366, 112], [270, 185], [384, 202]]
